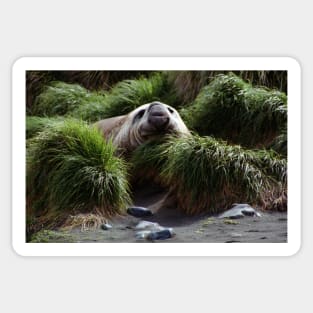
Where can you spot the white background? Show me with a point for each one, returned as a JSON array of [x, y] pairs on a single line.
[[160, 28]]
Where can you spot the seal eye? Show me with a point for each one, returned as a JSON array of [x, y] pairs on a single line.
[[140, 114], [170, 110]]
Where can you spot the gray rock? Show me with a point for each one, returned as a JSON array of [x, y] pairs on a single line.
[[146, 225], [138, 211], [161, 235], [151, 235], [239, 211]]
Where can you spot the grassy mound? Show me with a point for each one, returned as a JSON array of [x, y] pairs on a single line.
[[231, 109], [36, 124], [187, 84], [125, 97], [148, 160], [36, 81], [92, 111], [75, 101], [61, 98], [209, 176], [71, 170]]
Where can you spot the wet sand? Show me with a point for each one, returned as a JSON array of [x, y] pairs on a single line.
[[271, 227]]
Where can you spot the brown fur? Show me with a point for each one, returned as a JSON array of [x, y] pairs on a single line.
[[110, 126]]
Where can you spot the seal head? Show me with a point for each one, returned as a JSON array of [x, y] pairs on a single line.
[[149, 121]]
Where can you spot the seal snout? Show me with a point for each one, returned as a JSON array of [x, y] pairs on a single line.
[[158, 116]]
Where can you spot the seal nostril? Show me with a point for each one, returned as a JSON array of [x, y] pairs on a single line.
[[157, 113]]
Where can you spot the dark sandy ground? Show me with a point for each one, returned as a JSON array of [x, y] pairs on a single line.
[[270, 227]]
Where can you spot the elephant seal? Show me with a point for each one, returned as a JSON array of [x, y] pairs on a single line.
[[149, 121]]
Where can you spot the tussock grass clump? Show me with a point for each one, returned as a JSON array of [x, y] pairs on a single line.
[[90, 111], [36, 124], [280, 143], [208, 175], [187, 84], [148, 160], [129, 94], [124, 97], [72, 170], [60, 98], [36, 81], [230, 108], [75, 101]]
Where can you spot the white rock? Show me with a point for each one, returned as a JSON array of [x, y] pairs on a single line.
[[147, 225]]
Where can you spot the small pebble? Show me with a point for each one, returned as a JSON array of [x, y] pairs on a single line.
[[138, 211], [161, 235], [155, 235], [147, 225], [106, 226]]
